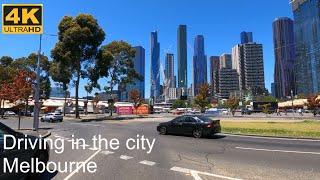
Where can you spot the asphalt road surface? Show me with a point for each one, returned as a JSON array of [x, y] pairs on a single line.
[[180, 157]]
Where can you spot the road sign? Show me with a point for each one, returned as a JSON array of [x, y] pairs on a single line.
[[22, 18]]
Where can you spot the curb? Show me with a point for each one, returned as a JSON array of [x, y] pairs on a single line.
[[275, 137], [47, 134]]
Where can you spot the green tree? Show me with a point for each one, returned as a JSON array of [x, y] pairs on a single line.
[[179, 104], [266, 99], [115, 63], [266, 108], [202, 99], [79, 39], [29, 64], [61, 73], [6, 61]]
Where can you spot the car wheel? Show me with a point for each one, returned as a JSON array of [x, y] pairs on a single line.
[[197, 133], [51, 120], [163, 130], [42, 120]]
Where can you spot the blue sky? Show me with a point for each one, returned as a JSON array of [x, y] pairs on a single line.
[[220, 21]]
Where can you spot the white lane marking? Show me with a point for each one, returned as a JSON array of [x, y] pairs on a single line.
[[196, 176], [86, 124], [278, 150], [79, 167], [149, 163], [124, 157], [272, 138], [107, 152]]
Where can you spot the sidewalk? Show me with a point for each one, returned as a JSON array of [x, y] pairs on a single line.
[[44, 133], [114, 117]]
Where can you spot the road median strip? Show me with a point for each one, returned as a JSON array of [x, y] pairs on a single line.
[[305, 129]]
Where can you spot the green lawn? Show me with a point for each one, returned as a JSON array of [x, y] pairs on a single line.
[[306, 129]]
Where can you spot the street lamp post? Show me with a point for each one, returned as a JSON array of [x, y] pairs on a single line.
[[37, 92], [292, 102]]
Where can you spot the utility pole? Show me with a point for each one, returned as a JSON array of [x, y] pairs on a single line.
[[36, 108]]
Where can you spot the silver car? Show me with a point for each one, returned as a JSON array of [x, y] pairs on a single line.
[[52, 117]]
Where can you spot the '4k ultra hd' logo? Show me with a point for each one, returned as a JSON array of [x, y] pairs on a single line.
[[22, 19]]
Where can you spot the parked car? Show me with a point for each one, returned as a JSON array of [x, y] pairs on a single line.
[[246, 111], [9, 113], [52, 117], [23, 155], [195, 125]]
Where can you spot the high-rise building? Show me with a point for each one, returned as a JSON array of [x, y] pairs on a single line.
[[169, 72], [139, 66], [307, 46], [155, 65], [248, 62], [214, 74], [246, 37], [182, 57], [238, 64], [225, 61], [253, 66], [228, 82], [228, 77], [199, 64], [284, 51]]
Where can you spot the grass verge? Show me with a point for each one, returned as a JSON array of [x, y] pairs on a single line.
[[305, 129]]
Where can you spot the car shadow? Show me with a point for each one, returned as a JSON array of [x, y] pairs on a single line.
[[216, 136]]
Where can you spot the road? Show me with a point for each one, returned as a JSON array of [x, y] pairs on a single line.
[[179, 157]]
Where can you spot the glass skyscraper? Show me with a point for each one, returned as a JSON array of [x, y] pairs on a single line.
[[139, 66], [169, 72], [199, 64], [284, 51], [307, 41], [214, 74], [246, 37], [182, 57], [155, 65]]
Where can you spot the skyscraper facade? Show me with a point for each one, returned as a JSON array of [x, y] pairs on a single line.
[[214, 74], [226, 61], [169, 72], [307, 41], [248, 61], [238, 64], [139, 66], [246, 37], [284, 51], [228, 82], [155, 65], [228, 77], [199, 64], [182, 57], [253, 66]]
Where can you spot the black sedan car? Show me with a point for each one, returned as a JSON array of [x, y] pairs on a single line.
[[195, 125], [22, 154]]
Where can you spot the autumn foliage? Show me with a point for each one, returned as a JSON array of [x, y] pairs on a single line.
[[19, 88]]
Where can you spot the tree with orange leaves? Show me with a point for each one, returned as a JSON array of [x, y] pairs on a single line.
[[22, 83], [135, 97], [313, 103]]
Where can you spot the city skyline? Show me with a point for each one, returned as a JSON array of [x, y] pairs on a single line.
[[217, 40]]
